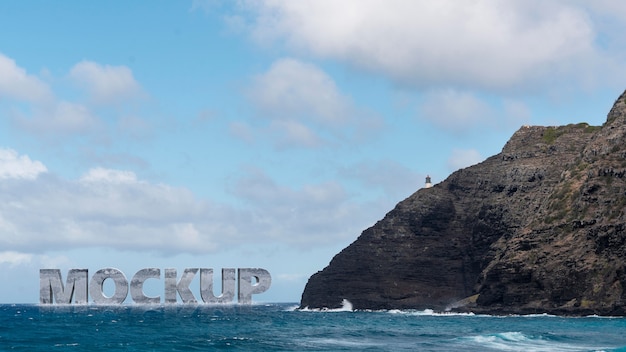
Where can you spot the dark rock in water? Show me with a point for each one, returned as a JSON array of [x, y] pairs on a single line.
[[539, 227]]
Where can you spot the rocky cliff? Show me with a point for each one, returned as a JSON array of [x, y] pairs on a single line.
[[539, 227]]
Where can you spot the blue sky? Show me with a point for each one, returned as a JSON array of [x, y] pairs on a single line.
[[268, 134]]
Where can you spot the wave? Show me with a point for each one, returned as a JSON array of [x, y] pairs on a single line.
[[429, 313], [342, 343], [346, 306], [604, 316], [517, 341], [292, 308], [541, 315]]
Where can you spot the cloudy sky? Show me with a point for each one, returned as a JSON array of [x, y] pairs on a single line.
[[265, 134]]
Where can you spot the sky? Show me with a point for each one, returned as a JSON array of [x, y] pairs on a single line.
[[269, 134]]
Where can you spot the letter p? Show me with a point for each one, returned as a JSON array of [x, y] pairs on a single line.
[[262, 283]]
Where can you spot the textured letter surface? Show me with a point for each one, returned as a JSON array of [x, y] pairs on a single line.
[[51, 286], [247, 289], [182, 287], [136, 285], [97, 282], [228, 286]]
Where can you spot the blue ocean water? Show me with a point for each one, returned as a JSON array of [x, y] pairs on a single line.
[[281, 327]]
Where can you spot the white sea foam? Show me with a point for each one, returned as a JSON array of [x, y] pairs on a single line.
[[346, 306], [342, 342], [427, 312], [542, 315], [517, 341], [292, 308], [604, 316]]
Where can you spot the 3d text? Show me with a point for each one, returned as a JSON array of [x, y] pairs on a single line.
[[250, 281]]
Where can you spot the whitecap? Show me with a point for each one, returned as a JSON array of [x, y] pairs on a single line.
[[292, 308], [428, 312], [604, 316], [346, 306], [350, 343], [518, 341], [541, 315]]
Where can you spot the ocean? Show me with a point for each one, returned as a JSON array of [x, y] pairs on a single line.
[[282, 327]]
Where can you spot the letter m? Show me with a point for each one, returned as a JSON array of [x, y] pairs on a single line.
[[51, 286]]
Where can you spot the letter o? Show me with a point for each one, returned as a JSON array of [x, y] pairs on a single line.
[[96, 286]]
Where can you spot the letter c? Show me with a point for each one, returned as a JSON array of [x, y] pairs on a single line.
[[136, 286]]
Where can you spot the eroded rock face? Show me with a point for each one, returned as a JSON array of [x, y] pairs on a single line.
[[539, 227]]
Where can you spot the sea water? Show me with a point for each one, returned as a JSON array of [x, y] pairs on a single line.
[[283, 327]]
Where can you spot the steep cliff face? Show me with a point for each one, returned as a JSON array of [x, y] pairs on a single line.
[[539, 227]]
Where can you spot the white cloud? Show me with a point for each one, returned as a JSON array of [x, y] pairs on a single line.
[[15, 83], [105, 83], [61, 118], [14, 166], [108, 208], [609, 18], [51, 118], [290, 133], [486, 43], [517, 113], [292, 88], [609, 8], [55, 120], [103, 175], [52, 261], [316, 214], [242, 131], [463, 112], [15, 258], [134, 127], [462, 158], [305, 108], [396, 180], [453, 110]]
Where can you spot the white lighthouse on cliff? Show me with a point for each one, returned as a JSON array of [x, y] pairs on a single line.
[[428, 183]]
